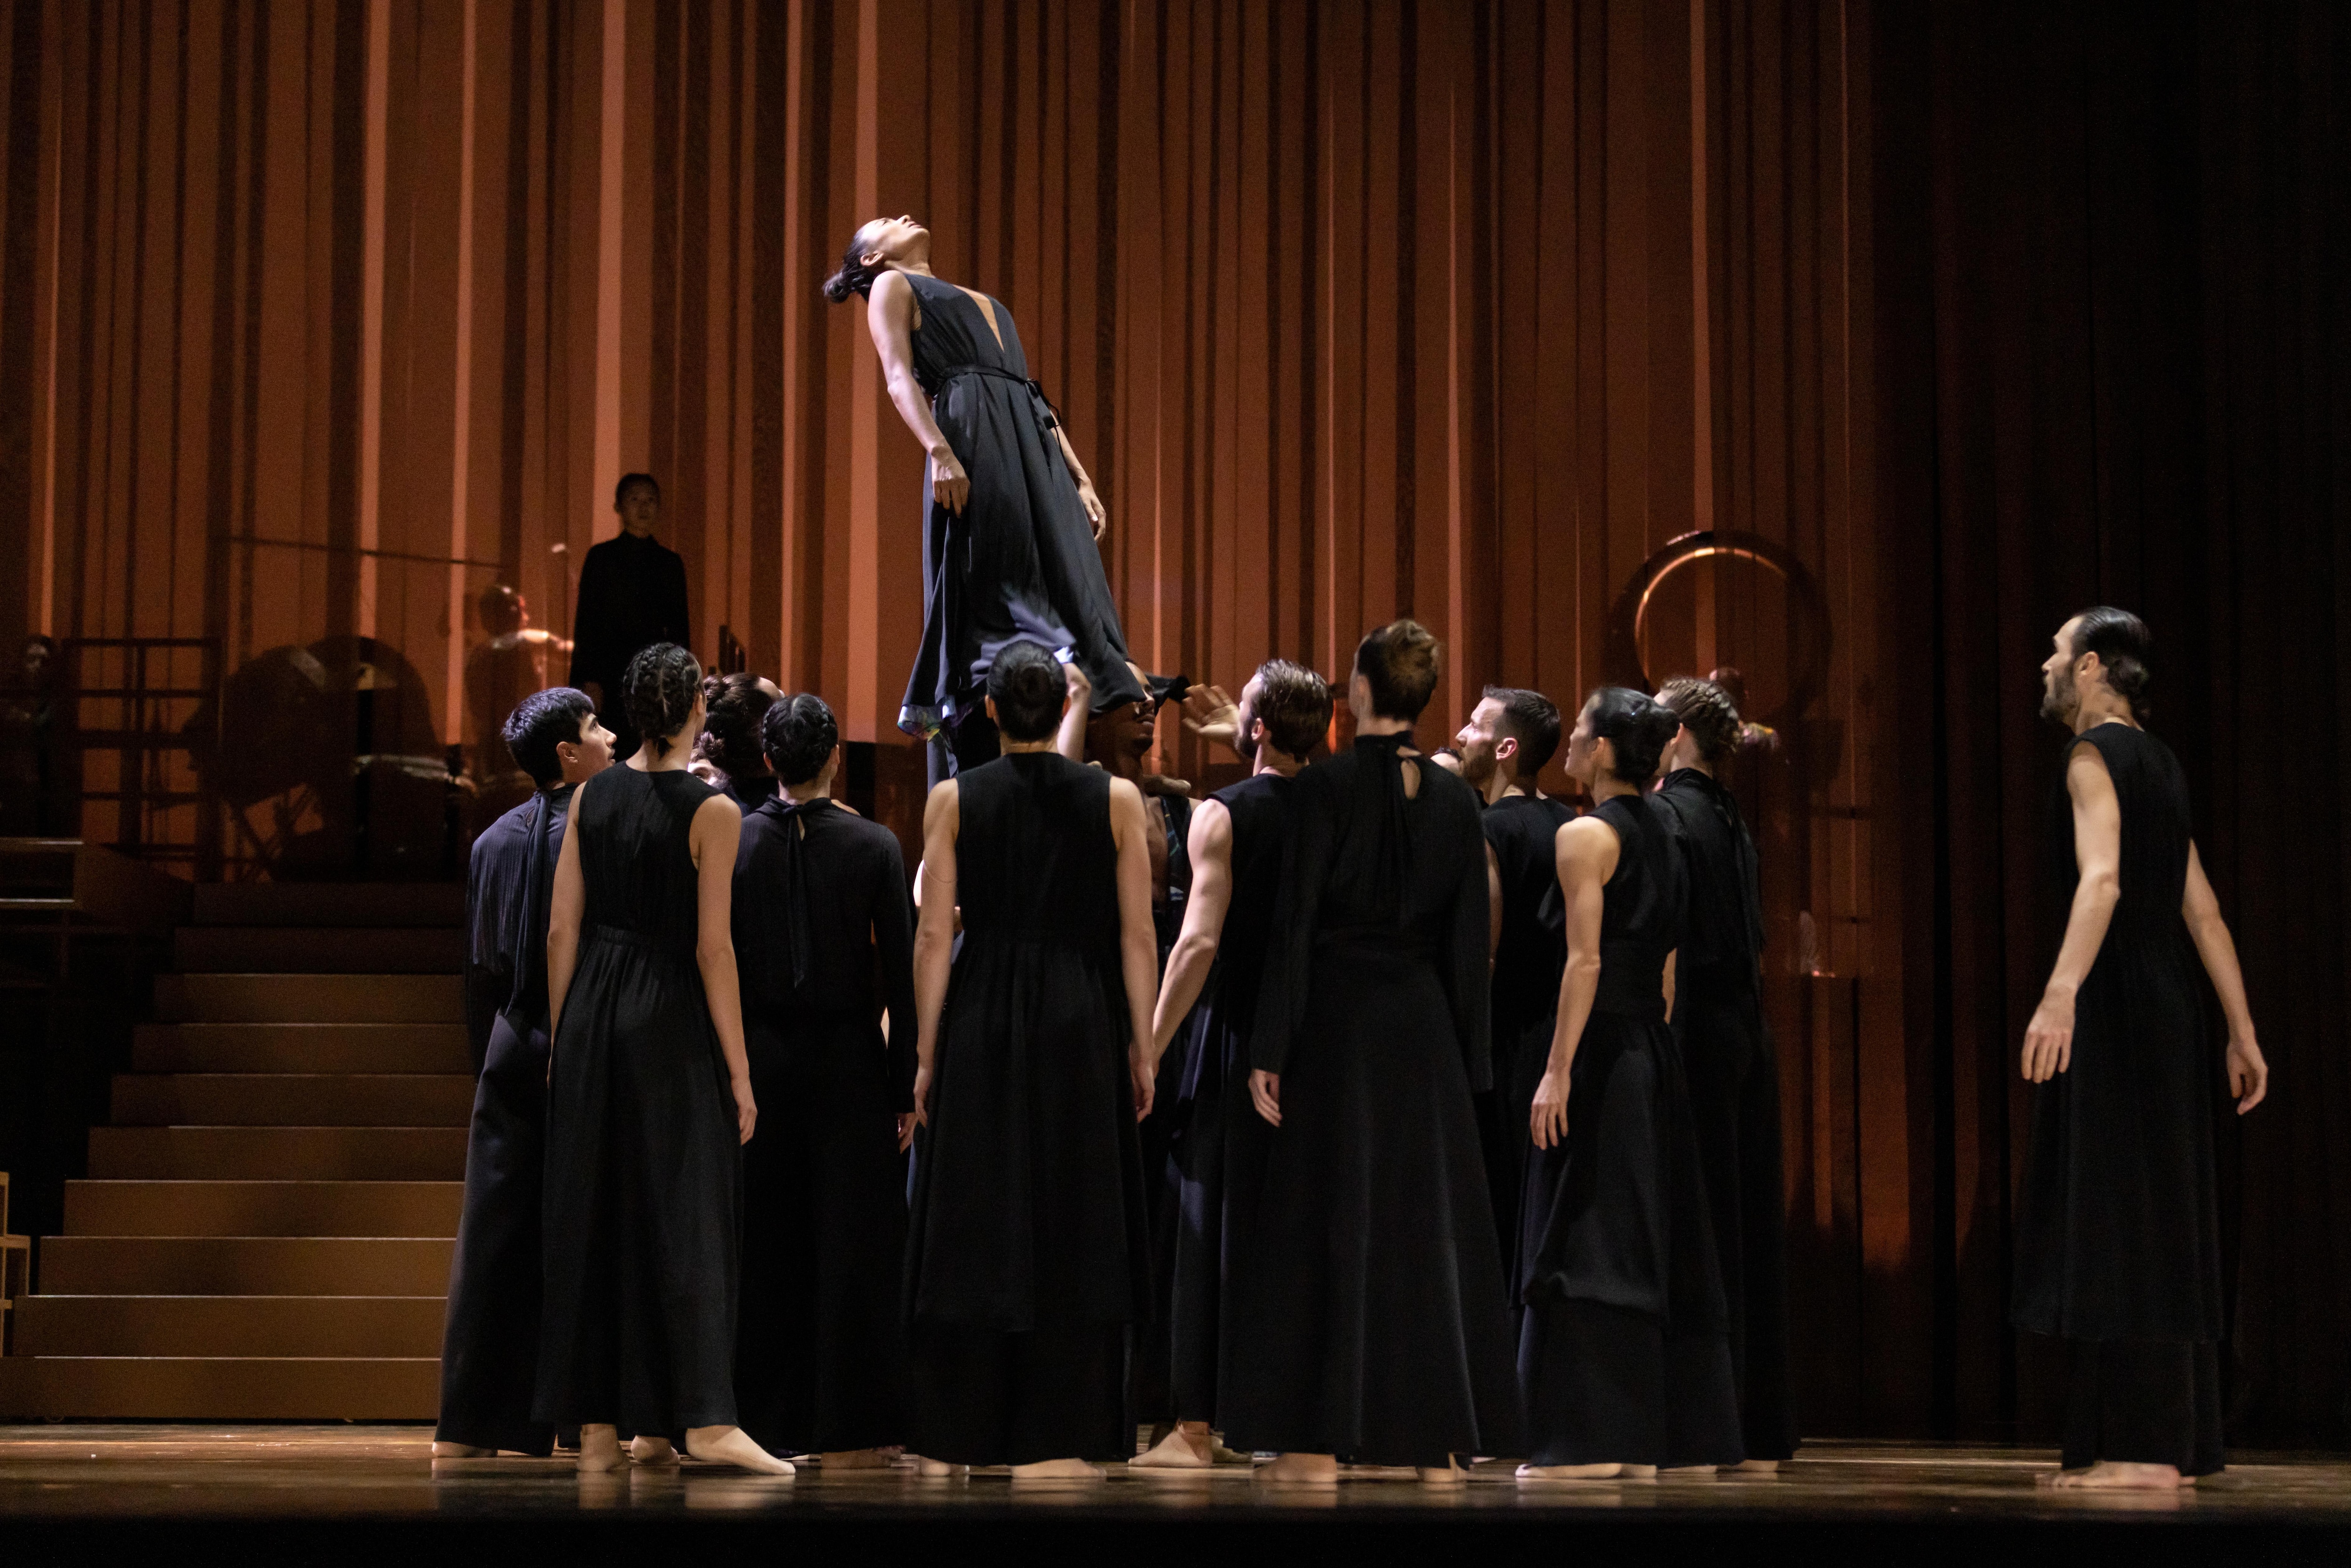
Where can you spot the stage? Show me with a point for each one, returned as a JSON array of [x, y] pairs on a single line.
[[351, 1491]]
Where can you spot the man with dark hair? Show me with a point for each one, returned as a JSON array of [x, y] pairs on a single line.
[[489, 1352], [1028, 1258], [1234, 851], [1511, 735], [2118, 1233], [631, 595], [824, 936]]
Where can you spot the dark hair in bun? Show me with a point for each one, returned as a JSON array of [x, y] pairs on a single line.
[[800, 733], [1399, 660], [1637, 725], [854, 277], [1708, 712], [1028, 689], [733, 706], [2122, 644], [657, 692]]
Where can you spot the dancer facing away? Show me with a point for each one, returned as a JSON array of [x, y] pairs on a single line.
[[1623, 1348], [1026, 1261], [1734, 1078], [489, 1345], [734, 706], [1218, 962], [1511, 737], [1366, 1311], [1009, 537], [649, 1099], [2119, 1250], [631, 595], [820, 914]]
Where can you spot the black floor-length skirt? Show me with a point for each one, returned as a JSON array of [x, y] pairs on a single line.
[[2148, 1402], [1622, 1347], [1365, 1310], [642, 1200], [489, 1346], [820, 1356]]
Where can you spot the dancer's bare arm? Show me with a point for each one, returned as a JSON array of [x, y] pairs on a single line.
[[717, 833], [1584, 853], [934, 935], [1138, 941], [891, 313], [2248, 1073], [1069, 740], [564, 914], [1211, 843], [1096, 513], [2097, 855]]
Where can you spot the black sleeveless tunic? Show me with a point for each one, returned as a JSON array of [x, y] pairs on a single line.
[[2118, 1234], [1220, 1144], [1734, 1084], [643, 1169], [1020, 560], [1365, 1314], [1622, 1347], [1522, 830]]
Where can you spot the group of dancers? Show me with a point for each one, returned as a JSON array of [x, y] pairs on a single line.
[[1370, 1111], [714, 1027]]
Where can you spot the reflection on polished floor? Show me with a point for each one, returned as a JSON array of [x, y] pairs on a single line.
[[95, 1473]]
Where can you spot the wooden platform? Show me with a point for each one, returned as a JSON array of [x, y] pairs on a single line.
[[279, 1493]]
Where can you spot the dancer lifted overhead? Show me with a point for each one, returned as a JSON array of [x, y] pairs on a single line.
[[1366, 1314], [1026, 1261], [2119, 1235], [1011, 523], [649, 1099]]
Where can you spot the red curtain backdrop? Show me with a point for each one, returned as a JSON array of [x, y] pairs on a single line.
[[322, 317]]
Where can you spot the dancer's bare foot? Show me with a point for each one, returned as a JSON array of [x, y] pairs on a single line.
[[1057, 1470], [854, 1459], [1310, 1469], [939, 1469], [1449, 1474], [644, 1448], [1753, 1468], [2115, 1475], [462, 1451], [1188, 1447], [733, 1445], [1571, 1472], [1690, 1472], [599, 1450]]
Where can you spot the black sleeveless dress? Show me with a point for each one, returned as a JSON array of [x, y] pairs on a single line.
[[1365, 1315], [643, 1169], [1222, 1140], [1523, 831], [1623, 1348], [1734, 1084], [2118, 1232], [823, 941], [1022, 560], [1028, 1255]]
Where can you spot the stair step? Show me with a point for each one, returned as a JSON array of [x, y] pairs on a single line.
[[310, 999], [175, 1388], [247, 1326], [278, 1154], [319, 949], [300, 1048], [244, 1265], [293, 1099], [330, 904], [264, 1208]]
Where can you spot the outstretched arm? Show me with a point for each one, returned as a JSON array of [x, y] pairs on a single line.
[[890, 314], [2249, 1074], [1211, 846], [2097, 855]]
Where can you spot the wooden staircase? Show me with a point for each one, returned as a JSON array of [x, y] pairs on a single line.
[[266, 1228]]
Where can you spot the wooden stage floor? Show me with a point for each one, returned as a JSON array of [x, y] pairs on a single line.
[[353, 1492]]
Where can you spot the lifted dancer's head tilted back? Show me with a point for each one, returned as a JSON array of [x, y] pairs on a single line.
[[872, 249]]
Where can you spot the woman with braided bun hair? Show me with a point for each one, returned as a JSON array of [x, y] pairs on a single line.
[[1622, 1350], [649, 1099], [1734, 1078], [1011, 521]]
